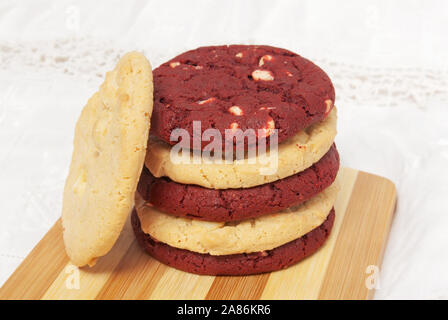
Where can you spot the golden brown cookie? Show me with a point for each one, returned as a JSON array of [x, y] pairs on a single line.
[[109, 150], [251, 235], [294, 155]]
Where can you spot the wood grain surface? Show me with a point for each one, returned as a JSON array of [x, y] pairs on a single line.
[[344, 268]]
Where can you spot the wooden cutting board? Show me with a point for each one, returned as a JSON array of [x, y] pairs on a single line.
[[345, 268]]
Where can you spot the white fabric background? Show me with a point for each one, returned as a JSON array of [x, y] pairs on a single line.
[[387, 59]]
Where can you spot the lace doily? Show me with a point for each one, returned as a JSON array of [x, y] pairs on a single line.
[[385, 86], [354, 84]]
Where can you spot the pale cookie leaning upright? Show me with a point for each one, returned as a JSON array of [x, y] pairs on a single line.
[[109, 150]]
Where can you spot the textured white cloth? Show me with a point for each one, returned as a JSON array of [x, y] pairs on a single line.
[[387, 59]]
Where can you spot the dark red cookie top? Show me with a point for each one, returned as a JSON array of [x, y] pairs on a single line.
[[235, 264], [237, 204], [238, 86]]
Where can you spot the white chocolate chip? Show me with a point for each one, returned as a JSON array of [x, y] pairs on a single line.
[[174, 64], [329, 106], [198, 67], [268, 129], [264, 59], [99, 131], [81, 181], [264, 75], [206, 101], [289, 74], [236, 111], [239, 55], [234, 126], [267, 108]]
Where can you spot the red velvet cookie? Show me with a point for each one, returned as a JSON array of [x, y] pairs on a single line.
[[235, 264], [239, 86], [200, 203]]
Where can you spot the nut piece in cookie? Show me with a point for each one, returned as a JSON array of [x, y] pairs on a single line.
[[109, 150]]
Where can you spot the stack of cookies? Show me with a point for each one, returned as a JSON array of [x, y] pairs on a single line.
[[239, 215]]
